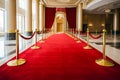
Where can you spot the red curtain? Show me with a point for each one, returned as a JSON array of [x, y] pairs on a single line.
[[49, 17], [60, 10], [71, 17]]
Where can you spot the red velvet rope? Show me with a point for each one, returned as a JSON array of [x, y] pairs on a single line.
[[27, 38], [95, 37]]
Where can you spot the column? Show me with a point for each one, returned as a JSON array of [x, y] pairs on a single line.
[[84, 4], [41, 16], [37, 15], [79, 17], [11, 20], [116, 25], [28, 17]]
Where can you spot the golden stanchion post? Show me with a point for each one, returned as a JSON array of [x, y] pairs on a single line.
[[51, 32], [96, 32], [45, 34], [35, 46], [88, 46], [78, 41], [17, 61], [72, 33], [69, 33], [104, 61], [75, 38], [42, 40]]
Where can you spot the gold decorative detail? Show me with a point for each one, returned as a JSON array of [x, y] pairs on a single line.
[[104, 62], [88, 47], [35, 47], [42, 41], [75, 38], [78, 41], [16, 62]]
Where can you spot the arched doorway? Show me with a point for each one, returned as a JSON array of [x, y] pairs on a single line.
[[60, 22]]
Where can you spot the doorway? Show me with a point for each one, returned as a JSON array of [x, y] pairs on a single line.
[[59, 27], [60, 22]]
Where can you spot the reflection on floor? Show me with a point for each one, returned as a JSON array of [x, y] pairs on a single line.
[[8, 47], [112, 46], [115, 45]]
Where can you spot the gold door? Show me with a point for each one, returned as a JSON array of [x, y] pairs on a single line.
[[59, 27]]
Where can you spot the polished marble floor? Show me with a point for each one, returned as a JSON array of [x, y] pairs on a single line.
[[8, 47], [112, 46]]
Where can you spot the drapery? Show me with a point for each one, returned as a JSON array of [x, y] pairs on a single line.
[[49, 16], [60, 10], [71, 17]]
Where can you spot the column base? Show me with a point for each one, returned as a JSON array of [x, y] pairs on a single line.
[[116, 32], [10, 36]]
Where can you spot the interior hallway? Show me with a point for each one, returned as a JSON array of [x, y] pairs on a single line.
[[112, 43], [64, 59]]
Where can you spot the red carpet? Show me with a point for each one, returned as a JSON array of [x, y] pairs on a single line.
[[60, 58]]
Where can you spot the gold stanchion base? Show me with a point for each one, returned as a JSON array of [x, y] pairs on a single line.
[[35, 47], [75, 38], [16, 62], [88, 47], [103, 62], [71, 36], [78, 41], [42, 41]]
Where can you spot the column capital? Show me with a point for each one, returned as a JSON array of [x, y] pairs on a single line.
[[80, 5], [41, 2], [84, 4]]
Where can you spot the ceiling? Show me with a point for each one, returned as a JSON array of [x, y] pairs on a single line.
[[99, 6], [92, 6], [61, 3]]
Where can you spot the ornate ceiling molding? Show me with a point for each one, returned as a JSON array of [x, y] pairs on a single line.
[[61, 3]]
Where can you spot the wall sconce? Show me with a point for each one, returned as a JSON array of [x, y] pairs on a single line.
[[90, 24], [103, 25]]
